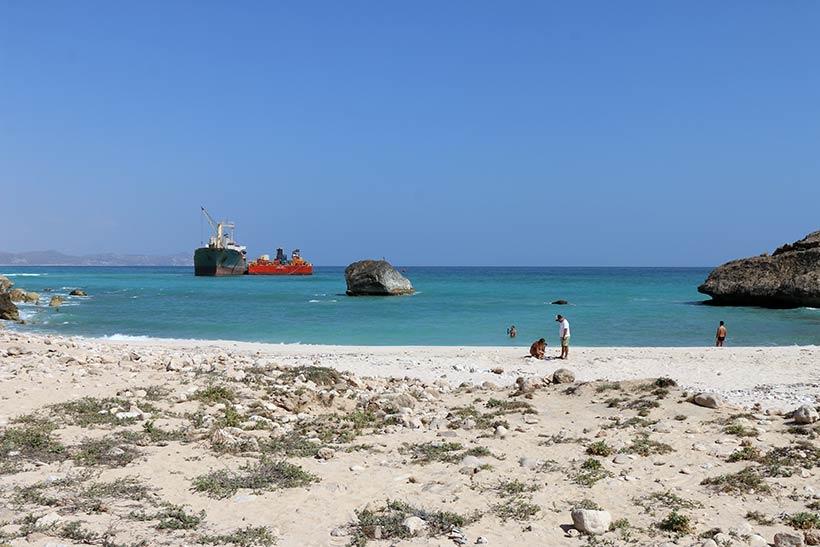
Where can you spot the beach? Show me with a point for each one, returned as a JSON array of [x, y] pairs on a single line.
[[182, 442]]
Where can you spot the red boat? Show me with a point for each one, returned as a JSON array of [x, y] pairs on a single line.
[[281, 265]]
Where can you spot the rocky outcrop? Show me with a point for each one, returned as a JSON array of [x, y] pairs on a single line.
[[8, 310], [17, 294], [789, 278], [77, 292], [375, 278], [5, 284], [56, 301]]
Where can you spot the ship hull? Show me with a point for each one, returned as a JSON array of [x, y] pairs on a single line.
[[279, 269], [219, 262]]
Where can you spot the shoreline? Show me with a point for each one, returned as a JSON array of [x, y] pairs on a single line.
[[777, 377]]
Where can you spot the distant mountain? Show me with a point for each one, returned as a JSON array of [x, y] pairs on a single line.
[[56, 258]]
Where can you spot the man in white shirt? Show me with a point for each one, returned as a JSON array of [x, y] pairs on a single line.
[[563, 333]]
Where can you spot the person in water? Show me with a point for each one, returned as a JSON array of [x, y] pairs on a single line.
[[511, 331], [720, 336], [538, 349]]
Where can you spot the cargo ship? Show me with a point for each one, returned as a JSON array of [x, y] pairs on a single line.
[[222, 255], [281, 265]]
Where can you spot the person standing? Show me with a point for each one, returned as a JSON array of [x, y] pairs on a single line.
[[721, 335], [512, 332], [563, 333]]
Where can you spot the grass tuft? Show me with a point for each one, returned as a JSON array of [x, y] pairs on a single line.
[[263, 475]]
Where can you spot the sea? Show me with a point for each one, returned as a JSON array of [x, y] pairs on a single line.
[[453, 306]]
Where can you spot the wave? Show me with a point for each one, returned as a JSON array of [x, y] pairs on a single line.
[[117, 337], [24, 274], [314, 300]]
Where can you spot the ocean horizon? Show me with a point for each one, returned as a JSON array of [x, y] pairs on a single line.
[[467, 305]]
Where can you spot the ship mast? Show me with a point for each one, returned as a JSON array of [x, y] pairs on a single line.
[[218, 228]]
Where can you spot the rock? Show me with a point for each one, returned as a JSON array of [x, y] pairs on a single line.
[[56, 301], [757, 541], [5, 284], [325, 453], [784, 539], [560, 302], [501, 432], [471, 461], [789, 278], [812, 537], [17, 295], [338, 532], [31, 296], [708, 400], [563, 376], [709, 543], [375, 278], [8, 310], [48, 520], [481, 540], [621, 459], [591, 522], [805, 415], [77, 292], [416, 526]]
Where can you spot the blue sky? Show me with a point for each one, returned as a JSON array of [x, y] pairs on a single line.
[[431, 133]]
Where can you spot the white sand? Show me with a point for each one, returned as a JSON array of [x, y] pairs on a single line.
[[776, 377]]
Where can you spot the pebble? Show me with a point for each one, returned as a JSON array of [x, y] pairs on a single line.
[[501, 432]]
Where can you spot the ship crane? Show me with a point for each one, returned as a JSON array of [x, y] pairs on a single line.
[[220, 238]]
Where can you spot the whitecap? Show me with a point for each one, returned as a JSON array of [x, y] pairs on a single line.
[[24, 275], [314, 300], [117, 337]]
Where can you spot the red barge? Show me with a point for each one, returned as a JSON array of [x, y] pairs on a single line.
[[281, 265]]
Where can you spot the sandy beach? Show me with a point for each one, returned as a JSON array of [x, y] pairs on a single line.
[[178, 442]]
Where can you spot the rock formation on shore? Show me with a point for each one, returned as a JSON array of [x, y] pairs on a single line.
[[789, 278], [375, 278], [8, 310]]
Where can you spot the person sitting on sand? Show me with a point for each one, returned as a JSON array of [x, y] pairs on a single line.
[[538, 349], [511, 331]]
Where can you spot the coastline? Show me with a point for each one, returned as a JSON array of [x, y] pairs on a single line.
[[779, 377]]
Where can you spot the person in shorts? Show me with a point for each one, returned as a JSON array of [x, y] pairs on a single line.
[[563, 333]]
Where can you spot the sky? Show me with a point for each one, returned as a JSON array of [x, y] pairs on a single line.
[[429, 133]]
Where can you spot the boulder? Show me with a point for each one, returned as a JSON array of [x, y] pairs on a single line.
[[56, 301], [560, 302], [789, 278], [17, 294], [591, 522], [31, 297], [785, 539], [5, 284], [805, 415], [708, 400], [375, 278], [77, 292], [563, 376], [8, 310]]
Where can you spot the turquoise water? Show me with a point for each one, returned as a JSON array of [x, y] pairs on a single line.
[[453, 306]]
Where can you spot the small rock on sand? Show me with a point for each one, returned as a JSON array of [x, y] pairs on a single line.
[[591, 522], [708, 400], [785, 539], [805, 415], [563, 376], [416, 526]]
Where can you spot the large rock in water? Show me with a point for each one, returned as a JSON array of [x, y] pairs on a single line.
[[789, 278], [8, 310], [5, 284], [375, 278]]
